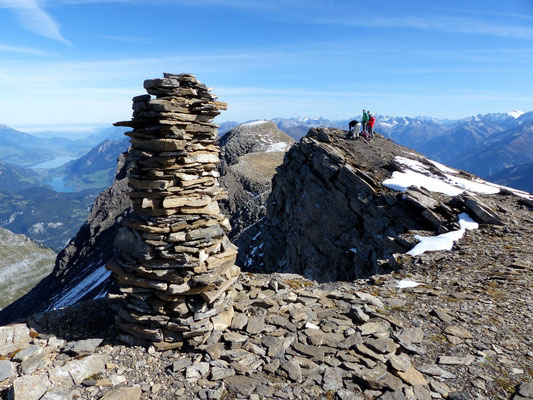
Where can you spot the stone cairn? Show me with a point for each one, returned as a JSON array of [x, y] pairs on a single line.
[[174, 263]]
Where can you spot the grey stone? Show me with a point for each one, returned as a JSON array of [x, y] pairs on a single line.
[[241, 384], [82, 369], [526, 389], [56, 394], [345, 394], [293, 370], [126, 393], [29, 387], [458, 331], [13, 337], [421, 393], [181, 364], [370, 299], [378, 378], [439, 387], [459, 396], [218, 373], [357, 314], [312, 351], [435, 370], [381, 345], [82, 347], [411, 335], [60, 377], [7, 370], [28, 351], [30, 358], [281, 321], [400, 362], [332, 380], [234, 337], [239, 321], [197, 370], [442, 314], [277, 345], [255, 324], [394, 395], [370, 328], [482, 212]]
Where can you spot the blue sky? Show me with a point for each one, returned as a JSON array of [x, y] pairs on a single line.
[[78, 62]]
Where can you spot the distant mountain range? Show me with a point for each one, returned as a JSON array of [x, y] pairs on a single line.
[[23, 149], [497, 147], [482, 144]]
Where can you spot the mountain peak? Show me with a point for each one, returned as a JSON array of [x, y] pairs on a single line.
[[515, 113]]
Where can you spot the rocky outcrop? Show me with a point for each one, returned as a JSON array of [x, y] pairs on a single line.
[[331, 216], [79, 271], [253, 137], [174, 263], [250, 154]]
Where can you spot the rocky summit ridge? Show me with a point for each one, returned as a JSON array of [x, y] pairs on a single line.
[[250, 154], [442, 324]]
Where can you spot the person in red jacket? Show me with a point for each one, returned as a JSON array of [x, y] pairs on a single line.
[[370, 124]]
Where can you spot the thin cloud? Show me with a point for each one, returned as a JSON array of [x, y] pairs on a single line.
[[443, 24], [125, 39], [23, 50], [32, 17], [481, 12]]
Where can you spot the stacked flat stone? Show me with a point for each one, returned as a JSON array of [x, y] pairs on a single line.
[[175, 263]]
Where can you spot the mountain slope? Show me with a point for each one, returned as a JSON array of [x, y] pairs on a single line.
[[463, 139], [500, 151], [14, 179], [250, 154], [519, 177], [23, 263], [44, 215], [95, 169], [79, 272]]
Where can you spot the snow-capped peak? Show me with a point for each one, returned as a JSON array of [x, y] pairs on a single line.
[[515, 113], [255, 123]]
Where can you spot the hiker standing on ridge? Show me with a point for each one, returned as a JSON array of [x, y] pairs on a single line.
[[371, 122], [364, 120]]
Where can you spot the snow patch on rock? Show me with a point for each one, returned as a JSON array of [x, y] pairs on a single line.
[[444, 241]]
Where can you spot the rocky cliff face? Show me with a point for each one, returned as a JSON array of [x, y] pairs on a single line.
[[250, 154], [79, 271], [331, 217]]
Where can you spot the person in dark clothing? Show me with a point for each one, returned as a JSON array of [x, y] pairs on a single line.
[[364, 120], [370, 124], [353, 129]]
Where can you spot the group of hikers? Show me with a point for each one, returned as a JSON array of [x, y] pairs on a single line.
[[367, 127]]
